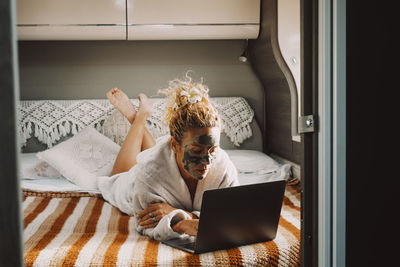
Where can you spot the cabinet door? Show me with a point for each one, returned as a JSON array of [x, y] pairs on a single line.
[[193, 19], [71, 19], [193, 11]]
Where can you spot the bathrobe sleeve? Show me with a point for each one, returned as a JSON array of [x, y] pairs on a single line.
[[144, 194], [131, 195], [117, 190]]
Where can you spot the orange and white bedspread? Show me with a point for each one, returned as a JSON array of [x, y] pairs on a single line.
[[78, 230]]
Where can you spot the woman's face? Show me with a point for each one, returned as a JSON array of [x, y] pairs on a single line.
[[197, 151]]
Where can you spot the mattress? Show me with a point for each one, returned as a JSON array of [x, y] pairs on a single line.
[[81, 229], [65, 225], [252, 166]]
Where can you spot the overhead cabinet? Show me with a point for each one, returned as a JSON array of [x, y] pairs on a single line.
[[71, 19], [138, 19], [193, 19]]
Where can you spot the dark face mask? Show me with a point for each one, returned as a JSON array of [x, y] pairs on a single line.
[[199, 153]]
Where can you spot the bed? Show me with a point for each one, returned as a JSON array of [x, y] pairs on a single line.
[[66, 224]]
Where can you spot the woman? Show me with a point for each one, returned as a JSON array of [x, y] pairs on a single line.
[[161, 183]]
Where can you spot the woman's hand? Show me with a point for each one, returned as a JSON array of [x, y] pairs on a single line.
[[187, 227], [149, 217]]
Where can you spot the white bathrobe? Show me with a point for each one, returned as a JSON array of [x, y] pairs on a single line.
[[156, 178]]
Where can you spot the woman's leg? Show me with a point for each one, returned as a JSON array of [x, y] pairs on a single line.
[[136, 136], [122, 103]]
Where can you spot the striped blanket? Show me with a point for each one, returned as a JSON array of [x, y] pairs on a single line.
[[68, 230]]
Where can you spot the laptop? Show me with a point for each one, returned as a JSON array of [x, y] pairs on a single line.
[[235, 216]]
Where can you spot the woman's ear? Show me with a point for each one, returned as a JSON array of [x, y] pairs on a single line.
[[174, 144]]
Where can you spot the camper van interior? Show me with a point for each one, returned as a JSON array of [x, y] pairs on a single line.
[[70, 58], [266, 76], [328, 112]]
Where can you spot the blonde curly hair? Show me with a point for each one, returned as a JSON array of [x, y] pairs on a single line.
[[188, 106]]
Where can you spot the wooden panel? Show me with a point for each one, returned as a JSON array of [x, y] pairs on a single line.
[[271, 69], [193, 11]]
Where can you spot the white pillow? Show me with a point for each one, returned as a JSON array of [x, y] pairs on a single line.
[[252, 161], [31, 167], [83, 157]]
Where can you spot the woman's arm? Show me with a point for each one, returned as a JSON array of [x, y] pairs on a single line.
[[159, 228], [156, 211], [189, 227]]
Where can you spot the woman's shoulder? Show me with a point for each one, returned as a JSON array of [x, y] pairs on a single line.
[[156, 160], [154, 153]]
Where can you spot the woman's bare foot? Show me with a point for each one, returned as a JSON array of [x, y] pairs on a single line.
[[145, 106], [122, 103]]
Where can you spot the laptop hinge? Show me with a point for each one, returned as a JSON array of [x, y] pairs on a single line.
[[307, 124]]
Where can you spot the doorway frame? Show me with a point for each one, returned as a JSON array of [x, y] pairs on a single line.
[[11, 245], [332, 133], [324, 164]]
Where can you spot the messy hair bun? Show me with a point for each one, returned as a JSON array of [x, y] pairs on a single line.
[[188, 106]]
